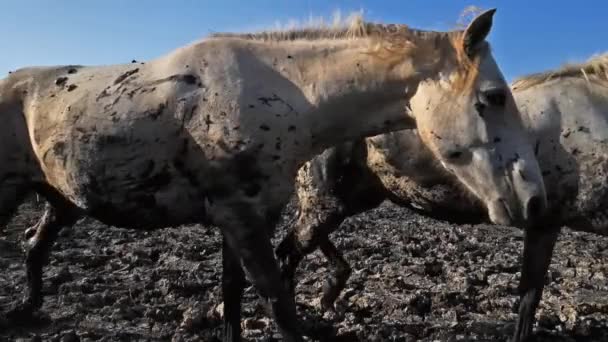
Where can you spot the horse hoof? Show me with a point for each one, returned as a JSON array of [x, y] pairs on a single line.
[[521, 336], [20, 312], [24, 315]]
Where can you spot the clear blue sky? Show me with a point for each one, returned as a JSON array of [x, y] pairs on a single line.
[[528, 35]]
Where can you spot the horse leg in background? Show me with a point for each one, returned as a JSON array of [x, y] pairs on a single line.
[[39, 241], [333, 186], [538, 250], [313, 226], [335, 282], [248, 239], [320, 209], [288, 257], [358, 200]]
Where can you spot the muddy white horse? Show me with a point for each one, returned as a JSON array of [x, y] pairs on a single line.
[[566, 114], [215, 132]]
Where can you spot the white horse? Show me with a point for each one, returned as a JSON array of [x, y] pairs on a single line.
[[216, 131], [566, 114]]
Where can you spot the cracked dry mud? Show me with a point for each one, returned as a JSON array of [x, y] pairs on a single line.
[[414, 279]]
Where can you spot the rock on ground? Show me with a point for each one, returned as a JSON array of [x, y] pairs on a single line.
[[414, 279]]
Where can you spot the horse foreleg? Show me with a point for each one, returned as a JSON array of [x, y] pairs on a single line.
[[538, 250], [39, 241], [247, 237], [289, 257], [233, 284], [335, 282]]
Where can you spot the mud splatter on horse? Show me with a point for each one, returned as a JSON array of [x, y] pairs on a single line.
[[215, 132], [566, 114]]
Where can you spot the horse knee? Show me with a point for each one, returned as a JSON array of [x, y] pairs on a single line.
[[306, 246], [308, 236]]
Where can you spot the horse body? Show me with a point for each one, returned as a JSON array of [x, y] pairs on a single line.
[[108, 157], [217, 130], [151, 140], [569, 118], [174, 129], [567, 122]]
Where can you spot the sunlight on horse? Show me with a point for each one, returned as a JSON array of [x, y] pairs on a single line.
[[216, 131]]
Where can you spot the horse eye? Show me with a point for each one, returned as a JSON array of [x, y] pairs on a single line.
[[453, 155], [495, 97], [479, 107]]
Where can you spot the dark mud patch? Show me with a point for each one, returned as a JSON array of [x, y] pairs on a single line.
[[414, 279]]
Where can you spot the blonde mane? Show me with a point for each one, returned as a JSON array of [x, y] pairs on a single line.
[[351, 27], [390, 42], [593, 70]]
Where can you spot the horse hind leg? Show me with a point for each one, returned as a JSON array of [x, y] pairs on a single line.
[[336, 281], [39, 240], [313, 226], [320, 215]]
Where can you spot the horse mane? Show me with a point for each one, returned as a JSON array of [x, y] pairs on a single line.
[[351, 27], [390, 42], [594, 69]]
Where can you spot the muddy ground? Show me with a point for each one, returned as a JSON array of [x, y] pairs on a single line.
[[414, 279]]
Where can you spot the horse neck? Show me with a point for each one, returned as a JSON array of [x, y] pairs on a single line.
[[353, 94]]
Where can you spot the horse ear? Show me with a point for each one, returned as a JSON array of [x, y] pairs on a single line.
[[477, 31]]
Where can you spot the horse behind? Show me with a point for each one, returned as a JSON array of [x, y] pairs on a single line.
[[565, 112]]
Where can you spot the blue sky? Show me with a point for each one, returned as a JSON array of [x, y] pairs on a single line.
[[528, 35]]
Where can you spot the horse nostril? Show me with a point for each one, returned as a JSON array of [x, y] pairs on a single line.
[[534, 208]]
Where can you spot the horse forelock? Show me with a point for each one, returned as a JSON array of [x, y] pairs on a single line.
[[467, 68]]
